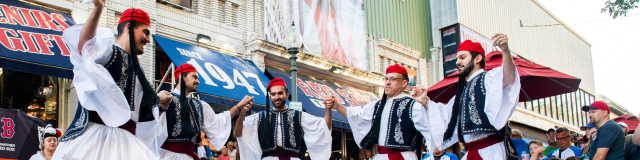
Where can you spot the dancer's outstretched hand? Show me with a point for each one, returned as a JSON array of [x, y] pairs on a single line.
[[165, 99]]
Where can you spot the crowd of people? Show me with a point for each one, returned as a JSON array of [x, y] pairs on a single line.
[[206, 151]]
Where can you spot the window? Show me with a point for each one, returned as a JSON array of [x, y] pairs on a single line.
[[36, 95], [234, 15], [181, 3], [222, 10]]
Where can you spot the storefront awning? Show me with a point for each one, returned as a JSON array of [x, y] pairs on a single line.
[[224, 79], [31, 40], [311, 92]]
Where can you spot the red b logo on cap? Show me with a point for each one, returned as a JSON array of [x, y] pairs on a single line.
[[7, 128]]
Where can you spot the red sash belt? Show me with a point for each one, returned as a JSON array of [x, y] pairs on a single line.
[[181, 147], [281, 154], [392, 153], [129, 126], [480, 144]]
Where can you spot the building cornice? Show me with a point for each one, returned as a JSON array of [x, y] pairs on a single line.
[[315, 61]]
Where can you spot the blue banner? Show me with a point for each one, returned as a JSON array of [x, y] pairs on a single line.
[[31, 39], [221, 75], [311, 93]]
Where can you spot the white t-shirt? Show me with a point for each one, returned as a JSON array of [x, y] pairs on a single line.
[[202, 152], [232, 154]]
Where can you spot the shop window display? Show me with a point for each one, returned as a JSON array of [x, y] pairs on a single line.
[[36, 95]]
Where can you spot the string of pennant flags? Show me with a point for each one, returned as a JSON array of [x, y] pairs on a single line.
[[563, 24]]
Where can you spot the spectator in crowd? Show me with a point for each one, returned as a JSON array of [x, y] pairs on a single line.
[[625, 128], [609, 140], [573, 158], [537, 150], [223, 154], [589, 132], [551, 139], [367, 155], [456, 149], [636, 138], [521, 145], [630, 150], [440, 155], [232, 150], [566, 150], [48, 143]]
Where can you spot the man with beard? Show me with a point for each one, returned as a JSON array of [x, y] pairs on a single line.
[[277, 134], [609, 140], [117, 115], [477, 116], [551, 139], [392, 123], [187, 117]]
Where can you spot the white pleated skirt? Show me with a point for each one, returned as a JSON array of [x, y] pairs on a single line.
[[168, 155], [101, 142]]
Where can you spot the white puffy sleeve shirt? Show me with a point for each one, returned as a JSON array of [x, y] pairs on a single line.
[[97, 91], [499, 105], [317, 137]]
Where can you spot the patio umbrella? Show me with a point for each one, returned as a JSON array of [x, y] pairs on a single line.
[[631, 121], [537, 81]]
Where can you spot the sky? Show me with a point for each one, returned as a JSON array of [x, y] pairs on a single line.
[[615, 47]]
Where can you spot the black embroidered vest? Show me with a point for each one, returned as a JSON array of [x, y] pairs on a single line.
[[290, 126], [174, 120], [401, 133], [473, 117], [120, 69]]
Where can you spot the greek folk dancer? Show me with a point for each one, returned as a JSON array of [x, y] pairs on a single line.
[[393, 123], [477, 116], [187, 117], [118, 115], [277, 134]]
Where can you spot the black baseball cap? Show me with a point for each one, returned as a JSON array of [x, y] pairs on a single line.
[[551, 130]]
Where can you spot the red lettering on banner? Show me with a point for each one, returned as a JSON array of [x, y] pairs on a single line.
[[12, 15], [29, 18], [7, 128], [346, 96], [45, 20], [2, 19], [318, 89], [61, 44], [42, 40], [61, 20], [31, 47], [305, 88], [365, 98], [330, 91], [361, 99], [11, 43]]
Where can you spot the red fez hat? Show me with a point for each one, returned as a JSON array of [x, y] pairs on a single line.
[[276, 82], [396, 69], [184, 68], [138, 15], [468, 45]]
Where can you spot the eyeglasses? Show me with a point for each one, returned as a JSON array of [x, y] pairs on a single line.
[[393, 79], [557, 138]]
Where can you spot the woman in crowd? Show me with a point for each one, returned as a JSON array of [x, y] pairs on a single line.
[[589, 134], [537, 149], [223, 154], [48, 143]]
